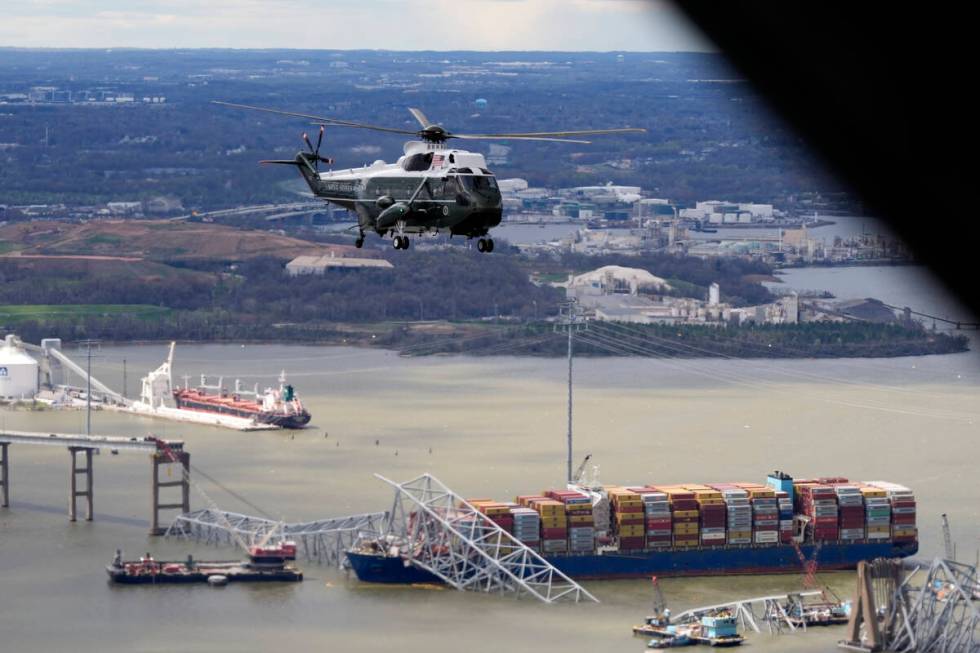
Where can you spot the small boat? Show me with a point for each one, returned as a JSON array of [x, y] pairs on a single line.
[[717, 629], [822, 611], [670, 641], [264, 563]]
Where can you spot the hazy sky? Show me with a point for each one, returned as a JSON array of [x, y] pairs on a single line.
[[638, 25]]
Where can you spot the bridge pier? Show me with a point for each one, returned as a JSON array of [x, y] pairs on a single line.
[[4, 476], [73, 491], [169, 458]]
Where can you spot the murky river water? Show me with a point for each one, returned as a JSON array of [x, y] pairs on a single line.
[[486, 427]]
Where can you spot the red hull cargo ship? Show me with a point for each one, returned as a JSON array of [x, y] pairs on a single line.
[[278, 407]]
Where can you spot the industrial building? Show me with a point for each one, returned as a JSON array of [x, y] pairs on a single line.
[[718, 212], [321, 264], [18, 371], [615, 279]]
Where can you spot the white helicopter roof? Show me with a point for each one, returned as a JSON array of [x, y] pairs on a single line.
[[443, 160]]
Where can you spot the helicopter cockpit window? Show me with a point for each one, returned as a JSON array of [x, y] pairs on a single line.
[[417, 162], [478, 183]]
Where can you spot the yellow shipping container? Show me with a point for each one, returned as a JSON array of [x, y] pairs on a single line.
[[580, 519], [879, 529], [631, 531], [872, 492], [550, 507], [739, 533], [686, 513], [686, 528]]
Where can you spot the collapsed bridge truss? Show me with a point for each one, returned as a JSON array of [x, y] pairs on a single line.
[[323, 541], [437, 530]]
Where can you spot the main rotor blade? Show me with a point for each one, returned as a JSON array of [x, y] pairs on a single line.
[[583, 132], [319, 142], [318, 119], [504, 137], [425, 122], [280, 162]]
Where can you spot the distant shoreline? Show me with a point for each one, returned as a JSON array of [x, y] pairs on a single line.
[[821, 340]]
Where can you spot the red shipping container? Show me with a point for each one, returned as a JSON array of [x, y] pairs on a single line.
[[632, 542], [684, 504], [554, 533]]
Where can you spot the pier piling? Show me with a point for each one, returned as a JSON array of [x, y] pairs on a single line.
[[73, 492], [183, 460], [4, 476]]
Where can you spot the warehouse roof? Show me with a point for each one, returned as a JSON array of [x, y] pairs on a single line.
[[320, 264]]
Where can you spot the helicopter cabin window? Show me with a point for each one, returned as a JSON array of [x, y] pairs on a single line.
[[417, 162]]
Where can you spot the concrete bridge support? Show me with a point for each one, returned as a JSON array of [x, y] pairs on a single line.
[[181, 478], [4, 476], [73, 491]]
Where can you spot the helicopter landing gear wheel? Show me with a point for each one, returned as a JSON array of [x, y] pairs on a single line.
[[484, 245], [397, 242], [489, 245], [359, 243], [401, 242]]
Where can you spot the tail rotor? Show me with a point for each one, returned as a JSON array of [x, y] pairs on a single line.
[[314, 154]]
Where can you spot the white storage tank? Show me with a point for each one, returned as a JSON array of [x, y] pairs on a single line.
[[18, 371]]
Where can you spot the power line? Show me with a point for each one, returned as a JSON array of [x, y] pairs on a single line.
[[616, 345]]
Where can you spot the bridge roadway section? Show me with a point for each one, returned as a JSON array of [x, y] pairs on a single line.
[[162, 452]]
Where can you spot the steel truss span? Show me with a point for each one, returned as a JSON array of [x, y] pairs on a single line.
[[913, 607], [438, 531], [323, 541]]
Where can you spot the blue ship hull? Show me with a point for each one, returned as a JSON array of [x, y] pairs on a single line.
[[720, 561]]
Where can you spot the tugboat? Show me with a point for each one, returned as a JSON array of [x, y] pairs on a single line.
[[264, 563]]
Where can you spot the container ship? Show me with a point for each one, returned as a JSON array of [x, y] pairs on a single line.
[[604, 532]]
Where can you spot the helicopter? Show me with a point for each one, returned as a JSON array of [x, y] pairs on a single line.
[[431, 189]]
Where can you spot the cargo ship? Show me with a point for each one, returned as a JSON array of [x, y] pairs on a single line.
[[264, 563], [276, 407], [242, 409], [783, 526]]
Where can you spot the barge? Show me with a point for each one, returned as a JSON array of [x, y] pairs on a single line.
[[264, 564]]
